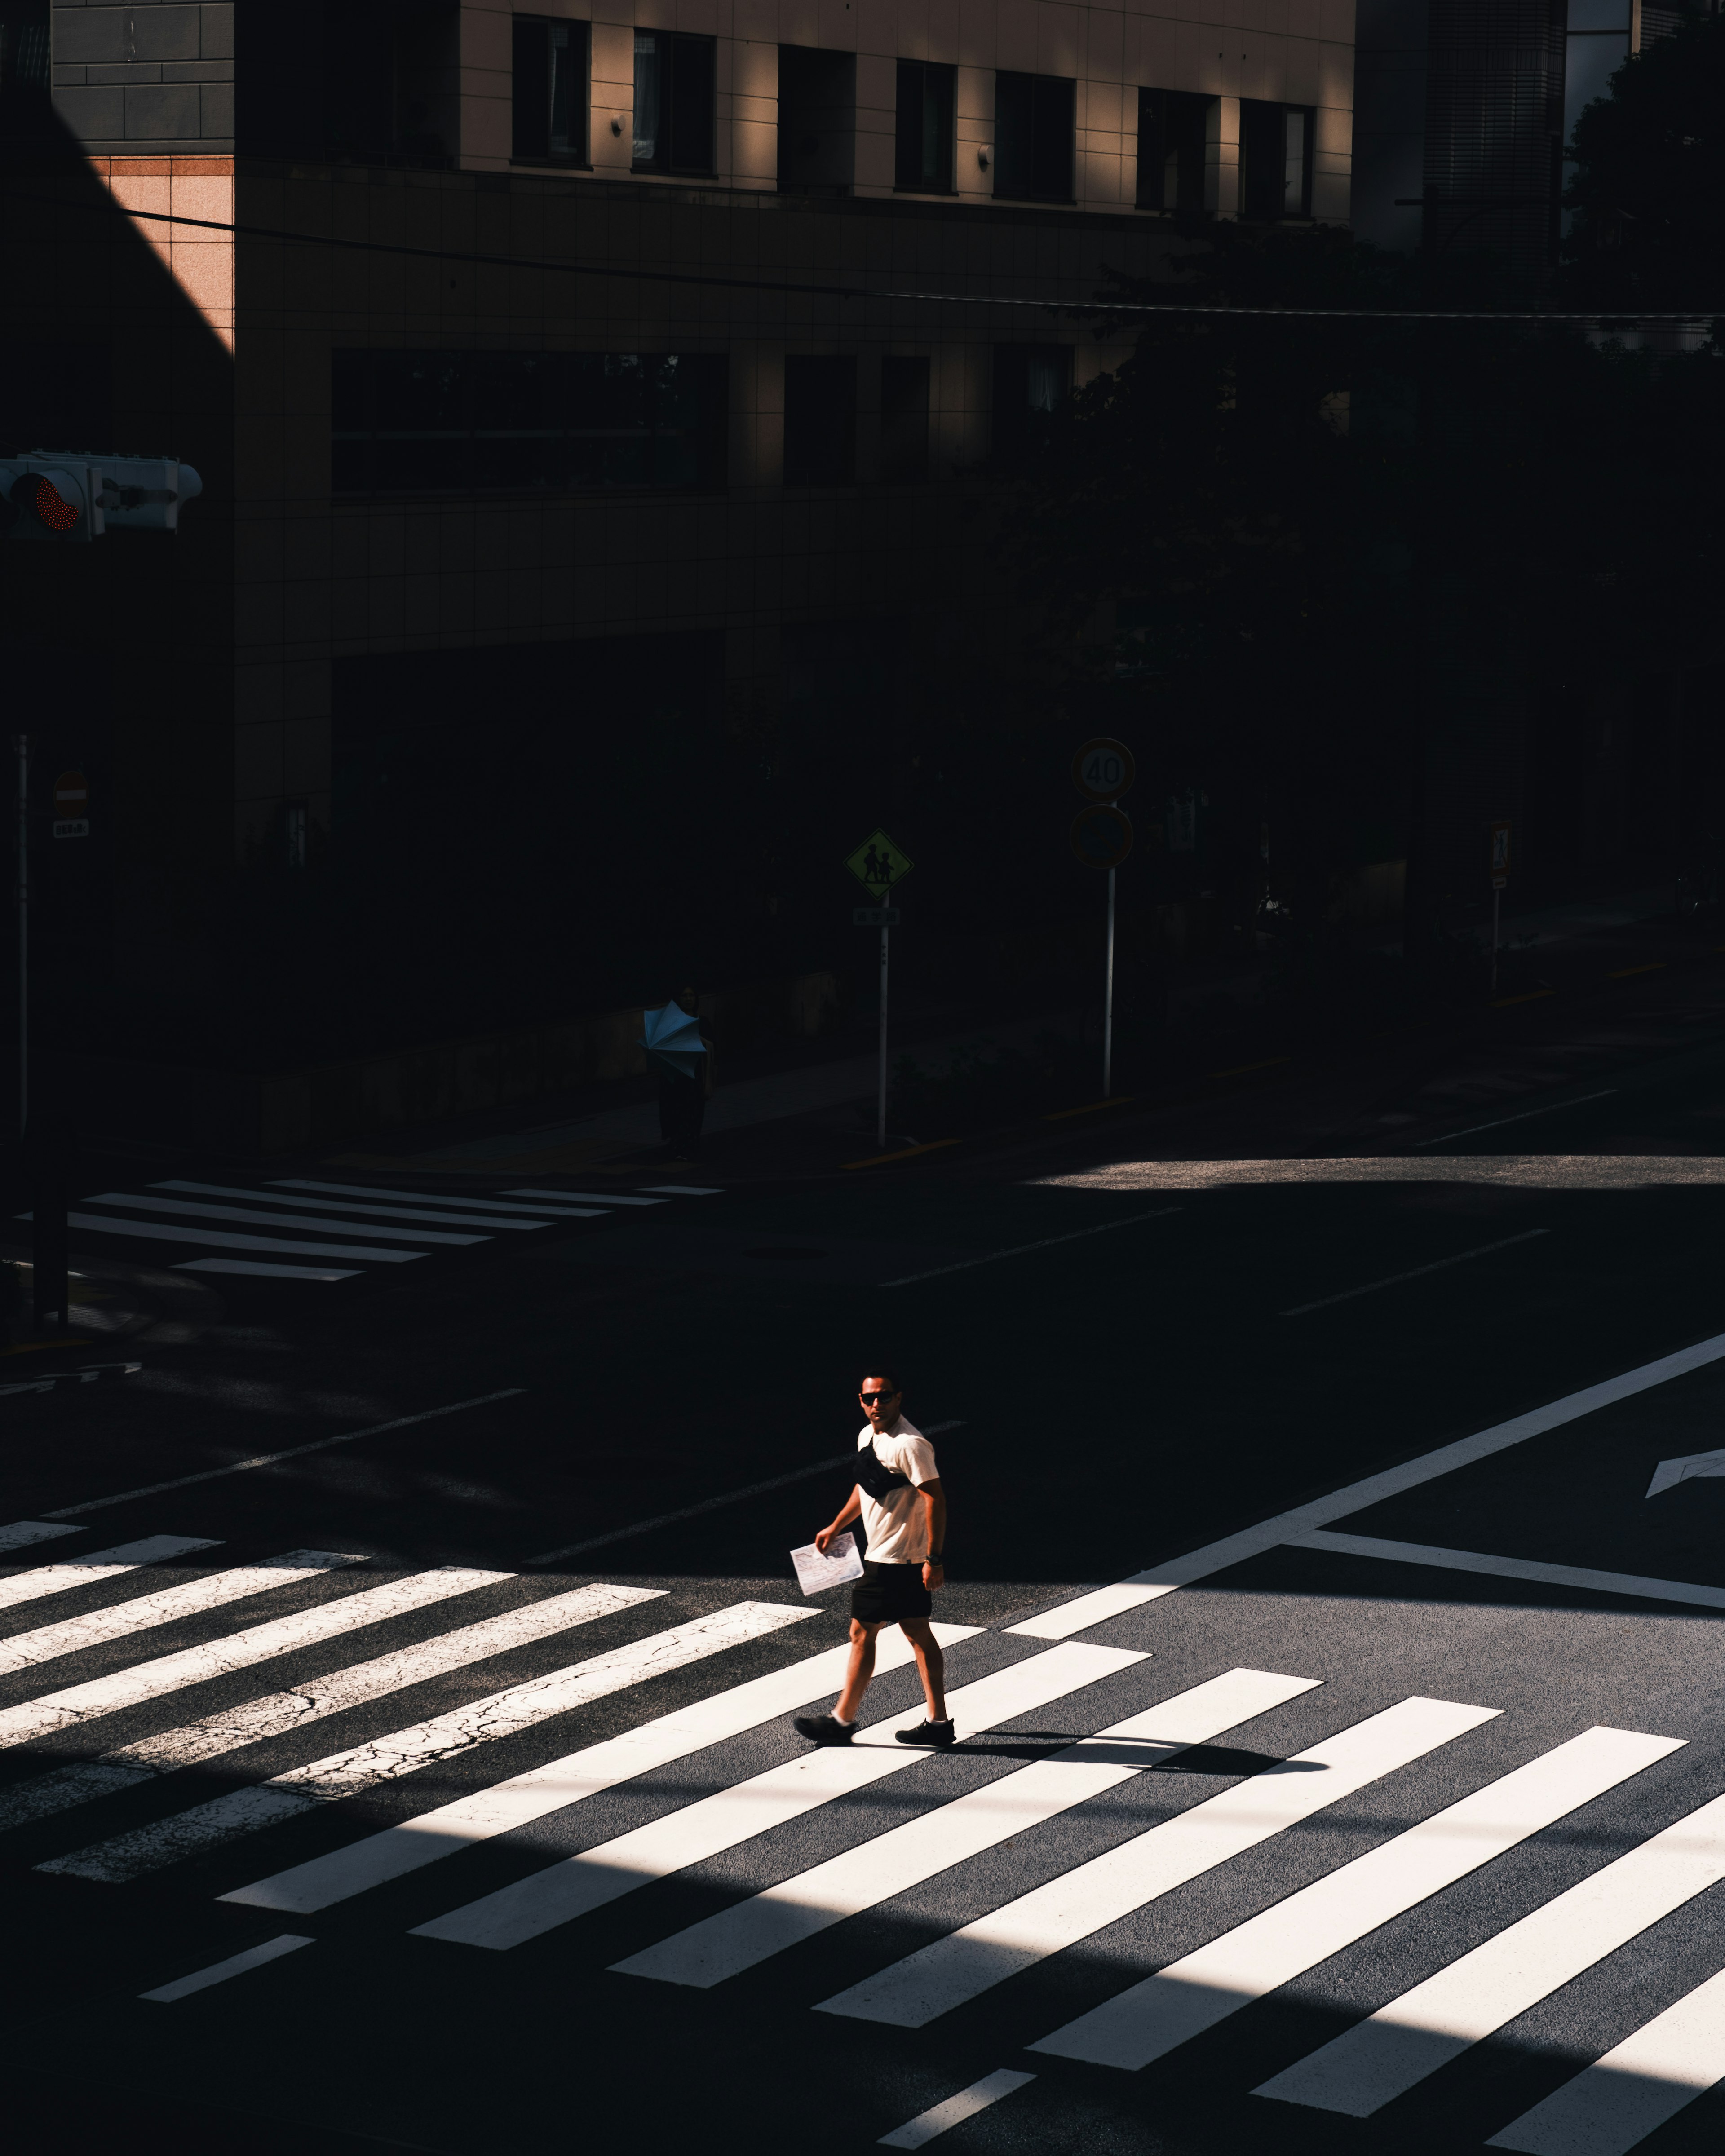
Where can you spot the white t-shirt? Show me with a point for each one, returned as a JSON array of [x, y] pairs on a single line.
[[897, 1527]]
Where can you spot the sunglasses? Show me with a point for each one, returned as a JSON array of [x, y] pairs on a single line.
[[871, 1399]]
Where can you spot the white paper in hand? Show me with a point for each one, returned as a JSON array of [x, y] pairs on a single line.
[[841, 1561]]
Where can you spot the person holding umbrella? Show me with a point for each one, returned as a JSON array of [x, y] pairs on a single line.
[[683, 1057]]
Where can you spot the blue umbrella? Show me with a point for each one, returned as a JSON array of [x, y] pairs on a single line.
[[673, 1039]]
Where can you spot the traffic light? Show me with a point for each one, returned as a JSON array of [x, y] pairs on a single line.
[[59, 496]]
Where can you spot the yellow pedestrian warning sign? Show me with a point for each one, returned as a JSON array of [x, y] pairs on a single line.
[[878, 863]]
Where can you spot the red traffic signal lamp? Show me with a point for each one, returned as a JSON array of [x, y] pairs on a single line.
[[60, 496], [44, 500]]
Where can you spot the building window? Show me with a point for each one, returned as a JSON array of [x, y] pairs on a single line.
[[550, 94], [1033, 137], [817, 121], [674, 102], [904, 420], [24, 47], [820, 421], [1274, 161], [1173, 150], [1030, 381], [927, 109], [526, 422]]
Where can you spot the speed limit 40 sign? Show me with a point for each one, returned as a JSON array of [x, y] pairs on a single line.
[[1102, 769]]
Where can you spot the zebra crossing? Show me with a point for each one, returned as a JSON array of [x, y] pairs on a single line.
[[730, 1779], [270, 1230]]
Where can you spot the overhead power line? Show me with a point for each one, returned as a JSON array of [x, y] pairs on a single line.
[[1590, 318]]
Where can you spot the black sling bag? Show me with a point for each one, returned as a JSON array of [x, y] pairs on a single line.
[[875, 1476]]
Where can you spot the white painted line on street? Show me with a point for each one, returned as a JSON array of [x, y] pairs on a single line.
[[21, 1533], [680, 1190], [1511, 1568], [1686, 1467], [219, 1972], [530, 1907], [1100, 1604], [1416, 1272], [1046, 1243], [24, 1651], [585, 1197], [158, 1231], [99, 1564], [927, 2125], [524, 1798], [468, 1206], [292, 1452], [347, 1205], [1615, 2103], [258, 1268], [1475, 1996], [428, 1743], [967, 1963], [737, 1938], [194, 1208], [1152, 2018], [1526, 1114], [715, 1504]]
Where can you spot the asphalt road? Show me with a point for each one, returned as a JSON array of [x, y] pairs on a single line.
[[1135, 1343]]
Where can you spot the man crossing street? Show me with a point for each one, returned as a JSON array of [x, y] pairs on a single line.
[[903, 1509]]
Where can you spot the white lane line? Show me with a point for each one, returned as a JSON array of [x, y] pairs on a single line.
[[25, 1650], [1046, 1243], [480, 1210], [194, 1208], [562, 1891], [737, 1938], [238, 1964], [316, 1698], [967, 1963], [714, 1504], [524, 1798], [1271, 1950], [1620, 2099], [346, 1205], [1100, 1604], [586, 1197], [1415, 1272], [427, 1743], [224, 1239], [927, 2125], [257, 1268], [290, 1452], [21, 1533], [1158, 1580], [1526, 1114], [1512, 1568], [680, 1190], [99, 1564], [1475, 1996]]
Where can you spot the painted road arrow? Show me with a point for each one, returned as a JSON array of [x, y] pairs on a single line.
[[1670, 1472]]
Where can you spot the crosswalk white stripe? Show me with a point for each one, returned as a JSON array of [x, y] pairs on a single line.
[[517, 1802], [347, 1205], [240, 1964], [1271, 1950], [587, 1197], [193, 1208], [318, 1697], [1437, 2020], [541, 1902], [224, 1239], [19, 1534], [680, 1190], [1083, 1611], [1640, 2083], [941, 2117], [475, 1206], [261, 1269], [749, 1932], [1050, 1917], [99, 1564], [426, 1743], [24, 1651]]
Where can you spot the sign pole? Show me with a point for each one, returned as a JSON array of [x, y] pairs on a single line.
[[1496, 900], [880, 1118], [21, 742], [1108, 1001]]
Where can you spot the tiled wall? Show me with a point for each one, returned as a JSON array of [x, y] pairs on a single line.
[[153, 76], [1292, 52]]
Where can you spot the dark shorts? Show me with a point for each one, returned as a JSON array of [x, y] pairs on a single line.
[[886, 1593]]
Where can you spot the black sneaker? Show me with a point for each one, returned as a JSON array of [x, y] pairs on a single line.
[[822, 1729], [928, 1732]]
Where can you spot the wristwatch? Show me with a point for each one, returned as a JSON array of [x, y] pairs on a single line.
[[934, 1556]]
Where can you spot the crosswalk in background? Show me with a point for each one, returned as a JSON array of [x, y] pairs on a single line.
[[111, 1814], [300, 1228]]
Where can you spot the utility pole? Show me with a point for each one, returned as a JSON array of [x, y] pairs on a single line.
[[21, 742]]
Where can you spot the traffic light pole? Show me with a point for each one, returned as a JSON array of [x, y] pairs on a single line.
[[880, 1118], [1108, 1001], [21, 742]]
